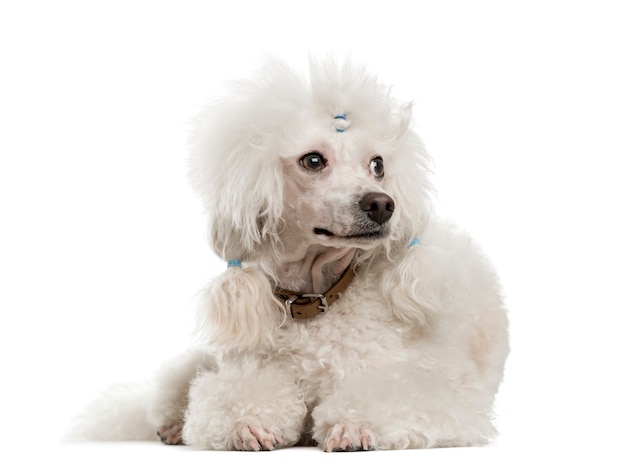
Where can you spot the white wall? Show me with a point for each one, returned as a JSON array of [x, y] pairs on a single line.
[[102, 247]]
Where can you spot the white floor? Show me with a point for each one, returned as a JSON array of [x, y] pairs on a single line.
[[154, 454]]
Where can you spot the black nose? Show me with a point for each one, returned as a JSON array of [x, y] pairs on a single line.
[[379, 207]]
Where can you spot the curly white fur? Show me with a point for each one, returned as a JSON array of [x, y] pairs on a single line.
[[410, 356]]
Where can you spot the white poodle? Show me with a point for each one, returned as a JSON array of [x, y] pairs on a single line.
[[349, 315]]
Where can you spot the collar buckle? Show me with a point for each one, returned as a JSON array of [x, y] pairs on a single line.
[[312, 297], [309, 305]]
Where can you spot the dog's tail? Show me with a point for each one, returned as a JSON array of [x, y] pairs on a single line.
[[119, 414]]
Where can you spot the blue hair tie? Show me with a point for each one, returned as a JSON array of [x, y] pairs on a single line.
[[414, 242], [234, 263], [341, 127]]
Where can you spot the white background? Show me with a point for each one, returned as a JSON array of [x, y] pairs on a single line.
[[102, 244]]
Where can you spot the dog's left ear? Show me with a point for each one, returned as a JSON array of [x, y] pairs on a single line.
[[407, 178]]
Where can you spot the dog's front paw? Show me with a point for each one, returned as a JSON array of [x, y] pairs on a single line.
[[171, 433], [349, 437], [257, 436]]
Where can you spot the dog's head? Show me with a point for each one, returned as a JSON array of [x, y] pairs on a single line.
[[286, 163], [329, 159]]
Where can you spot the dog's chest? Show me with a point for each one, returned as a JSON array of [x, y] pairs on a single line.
[[356, 333]]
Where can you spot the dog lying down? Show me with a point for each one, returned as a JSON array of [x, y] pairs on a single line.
[[349, 316]]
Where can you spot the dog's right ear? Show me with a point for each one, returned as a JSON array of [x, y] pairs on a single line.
[[239, 181], [235, 159], [238, 310]]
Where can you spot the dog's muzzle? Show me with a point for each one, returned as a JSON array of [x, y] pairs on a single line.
[[379, 207]]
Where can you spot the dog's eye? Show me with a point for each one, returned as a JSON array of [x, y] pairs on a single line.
[[376, 167], [313, 161]]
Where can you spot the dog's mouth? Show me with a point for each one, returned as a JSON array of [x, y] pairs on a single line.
[[323, 232], [367, 235]]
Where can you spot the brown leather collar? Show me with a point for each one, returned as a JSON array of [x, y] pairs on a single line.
[[309, 305]]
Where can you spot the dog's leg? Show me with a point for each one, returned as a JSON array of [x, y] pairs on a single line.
[[171, 433], [169, 398], [349, 437], [244, 407], [403, 407], [254, 435]]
